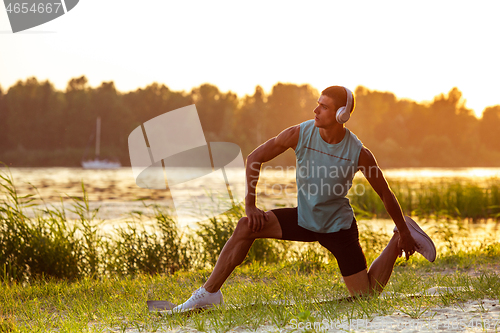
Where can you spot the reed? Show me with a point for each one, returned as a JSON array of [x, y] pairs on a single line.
[[135, 250], [440, 199], [60, 275], [50, 246], [35, 247]]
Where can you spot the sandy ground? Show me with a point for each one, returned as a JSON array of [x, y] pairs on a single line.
[[470, 316]]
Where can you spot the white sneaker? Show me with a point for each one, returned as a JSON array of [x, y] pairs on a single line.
[[425, 245], [200, 299]]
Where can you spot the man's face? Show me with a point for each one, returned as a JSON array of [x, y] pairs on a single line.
[[325, 112]]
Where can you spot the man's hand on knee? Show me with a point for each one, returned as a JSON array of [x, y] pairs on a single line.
[[256, 218]]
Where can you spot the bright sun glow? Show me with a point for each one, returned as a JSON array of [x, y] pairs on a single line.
[[416, 50]]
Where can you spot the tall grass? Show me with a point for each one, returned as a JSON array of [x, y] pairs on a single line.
[[441, 199], [34, 247], [51, 246]]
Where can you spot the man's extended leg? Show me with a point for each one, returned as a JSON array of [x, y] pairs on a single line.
[[381, 269], [379, 273], [232, 255], [237, 247]]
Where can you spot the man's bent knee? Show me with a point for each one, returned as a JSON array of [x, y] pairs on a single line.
[[271, 229], [242, 229]]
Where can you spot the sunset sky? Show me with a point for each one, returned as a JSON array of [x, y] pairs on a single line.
[[415, 49]]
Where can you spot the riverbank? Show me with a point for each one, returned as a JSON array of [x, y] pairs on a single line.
[[72, 277], [112, 304]]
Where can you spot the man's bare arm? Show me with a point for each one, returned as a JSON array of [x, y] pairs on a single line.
[[264, 153], [369, 166]]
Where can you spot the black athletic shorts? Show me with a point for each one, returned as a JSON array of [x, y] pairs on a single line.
[[343, 244]]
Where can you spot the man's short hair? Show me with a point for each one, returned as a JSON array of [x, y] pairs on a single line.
[[339, 96]]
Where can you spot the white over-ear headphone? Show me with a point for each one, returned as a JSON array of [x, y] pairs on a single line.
[[344, 112]]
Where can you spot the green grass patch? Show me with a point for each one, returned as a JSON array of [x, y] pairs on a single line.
[[68, 276], [119, 303]]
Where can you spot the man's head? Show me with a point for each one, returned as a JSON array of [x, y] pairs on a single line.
[[339, 96]]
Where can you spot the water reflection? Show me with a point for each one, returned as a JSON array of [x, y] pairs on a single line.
[[448, 235], [117, 194]]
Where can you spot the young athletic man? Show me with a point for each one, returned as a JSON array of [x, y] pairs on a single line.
[[328, 156]]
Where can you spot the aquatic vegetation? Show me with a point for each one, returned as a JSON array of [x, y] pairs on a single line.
[[57, 274], [50, 245], [438, 199]]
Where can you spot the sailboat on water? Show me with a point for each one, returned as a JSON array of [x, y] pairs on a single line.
[[97, 162]]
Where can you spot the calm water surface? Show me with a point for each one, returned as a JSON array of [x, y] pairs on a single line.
[[116, 193]]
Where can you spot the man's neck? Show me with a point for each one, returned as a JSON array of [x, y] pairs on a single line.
[[333, 135]]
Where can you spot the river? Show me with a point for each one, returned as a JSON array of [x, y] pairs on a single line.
[[117, 194]]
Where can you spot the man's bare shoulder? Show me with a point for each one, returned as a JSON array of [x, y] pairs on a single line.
[[366, 158], [289, 137]]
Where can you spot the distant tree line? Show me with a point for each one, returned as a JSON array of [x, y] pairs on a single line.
[[42, 126]]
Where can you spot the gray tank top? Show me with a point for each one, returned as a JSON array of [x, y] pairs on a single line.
[[324, 176]]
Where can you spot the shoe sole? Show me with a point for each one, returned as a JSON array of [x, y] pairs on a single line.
[[416, 227], [201, 308]]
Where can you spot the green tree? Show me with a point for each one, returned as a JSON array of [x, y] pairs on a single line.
[[288, 105], [380, 120], [489, 127], [145, 104], [36, 117], [152, 101], [4, 143], [251, 120], [217, 111], [437, 151], [107, 103], [373, 115], [401, 131], [33, 113], [79, 120], [450, 118]]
